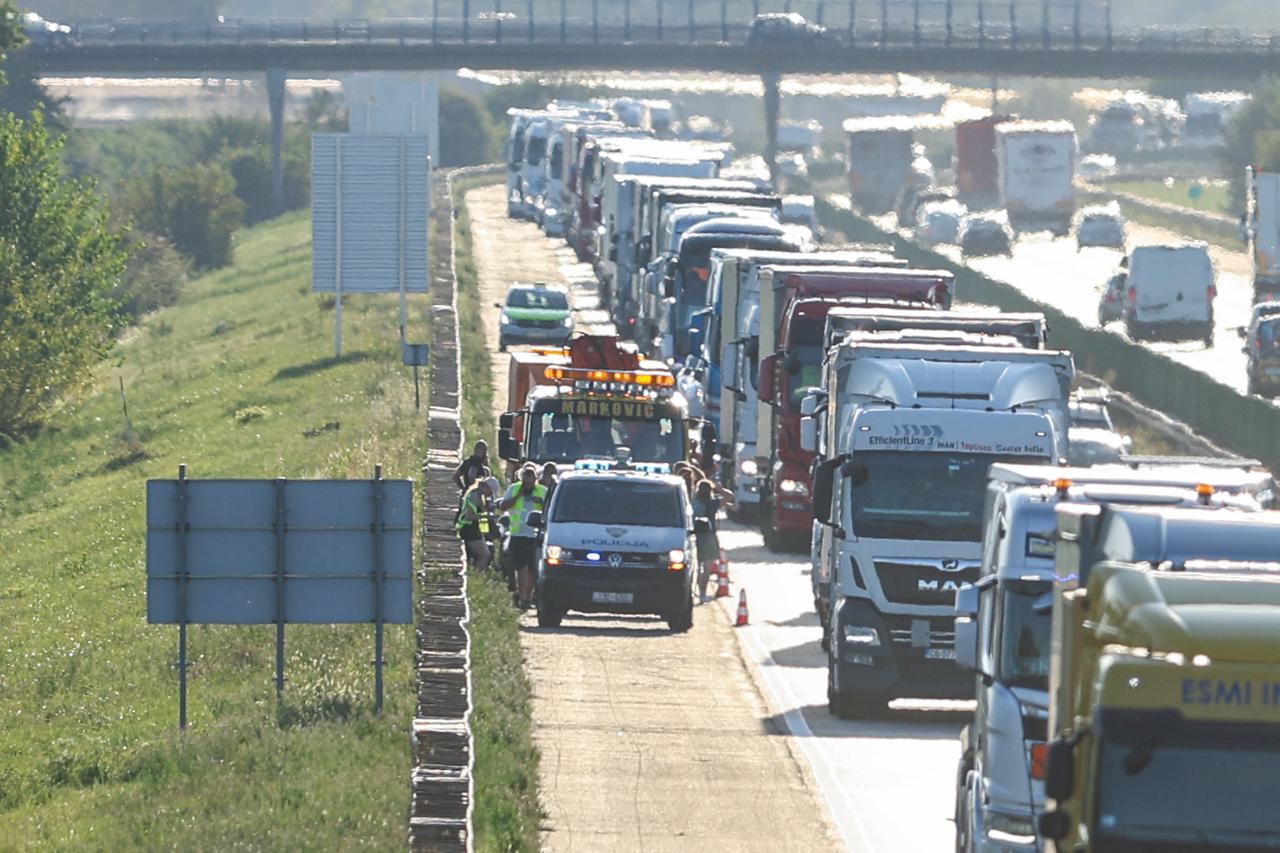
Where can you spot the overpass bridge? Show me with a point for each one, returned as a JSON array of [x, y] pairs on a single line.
[[1063, 38]]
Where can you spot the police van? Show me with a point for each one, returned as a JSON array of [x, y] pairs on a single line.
[[617, 539]]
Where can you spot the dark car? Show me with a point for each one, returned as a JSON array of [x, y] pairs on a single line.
[[984, 234], [1262, 348], [784, 28]]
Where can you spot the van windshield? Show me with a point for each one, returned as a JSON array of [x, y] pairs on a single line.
[[622, 502]]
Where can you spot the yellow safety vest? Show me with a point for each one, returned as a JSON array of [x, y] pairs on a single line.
[[519, 510]]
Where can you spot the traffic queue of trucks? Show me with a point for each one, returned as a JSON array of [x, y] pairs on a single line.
[[1116, 624]]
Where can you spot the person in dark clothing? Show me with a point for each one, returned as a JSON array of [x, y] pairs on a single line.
[[472, 468], [550, 476]]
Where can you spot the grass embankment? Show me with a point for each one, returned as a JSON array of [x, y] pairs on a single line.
[[237, 380], [1215, 197], [507, 813]]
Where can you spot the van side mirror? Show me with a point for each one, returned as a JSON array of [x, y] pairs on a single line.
[[1060, 770], [1054, 824], [535, 520], [768, 379]]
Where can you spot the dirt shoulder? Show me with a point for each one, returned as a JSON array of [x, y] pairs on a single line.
[[649, 740]]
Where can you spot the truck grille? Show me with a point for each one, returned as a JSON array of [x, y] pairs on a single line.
[[941, 633], [925, 582]]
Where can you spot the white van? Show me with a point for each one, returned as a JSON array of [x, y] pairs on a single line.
[[1170, 293], [617, 540]]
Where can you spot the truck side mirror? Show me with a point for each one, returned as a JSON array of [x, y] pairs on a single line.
[[768, 379], [708, 441], [729, 373], [1060, 770], [507, 420], [823, 485], [809, 434], [508, 446], [613, 250], [967, 628]]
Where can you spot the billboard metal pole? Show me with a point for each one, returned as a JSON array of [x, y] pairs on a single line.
[[404, 306], [182, 596], [377, 587], [279, 528], [337, 249]]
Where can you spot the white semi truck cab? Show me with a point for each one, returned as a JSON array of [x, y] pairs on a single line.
[[911, 431]]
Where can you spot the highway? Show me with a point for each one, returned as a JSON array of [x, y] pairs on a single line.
[[887, 785], [1054, 272]]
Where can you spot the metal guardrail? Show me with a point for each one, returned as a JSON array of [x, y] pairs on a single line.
[[1074, 25]]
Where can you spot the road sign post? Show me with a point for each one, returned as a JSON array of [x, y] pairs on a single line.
[[254, 552]]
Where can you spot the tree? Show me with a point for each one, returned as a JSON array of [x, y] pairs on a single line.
[[194, 207], [1253, 138], [465, 136], [59, 261]]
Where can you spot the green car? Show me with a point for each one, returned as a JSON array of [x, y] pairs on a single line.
[[535, 314]]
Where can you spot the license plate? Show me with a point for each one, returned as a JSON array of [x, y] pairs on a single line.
[[617, 598], [940, 654]]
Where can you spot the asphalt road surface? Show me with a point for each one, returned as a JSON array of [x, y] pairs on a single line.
[[660, 741]]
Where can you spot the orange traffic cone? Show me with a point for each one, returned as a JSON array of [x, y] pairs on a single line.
[[722, 588], [742, 609], [723, 568]]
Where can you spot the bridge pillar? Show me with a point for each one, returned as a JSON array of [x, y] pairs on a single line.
[[772, 104], [276, 77]]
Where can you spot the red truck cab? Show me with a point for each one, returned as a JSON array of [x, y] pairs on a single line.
[[795, 365]]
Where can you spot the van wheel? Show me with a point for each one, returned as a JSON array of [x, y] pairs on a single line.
[[682, 620], [550, 615], [1208, 339]]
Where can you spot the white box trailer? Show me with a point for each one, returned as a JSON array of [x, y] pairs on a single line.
[[1263, 222], [1037, 162]]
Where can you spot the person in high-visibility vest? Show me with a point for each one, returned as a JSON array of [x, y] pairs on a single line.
[[473, 521], [521, 499]]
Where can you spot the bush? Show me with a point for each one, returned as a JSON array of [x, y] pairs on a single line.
[[153, 278], [466, 138], [195, 208], [250, 168], [58, 264]]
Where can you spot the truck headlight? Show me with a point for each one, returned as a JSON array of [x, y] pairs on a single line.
[[860, 635], [748, 467], [794, 487], [504, 319], [567, 322], [1010, 829]]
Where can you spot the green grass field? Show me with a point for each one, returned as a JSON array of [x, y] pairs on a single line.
[[238, 380], [1214, 197]]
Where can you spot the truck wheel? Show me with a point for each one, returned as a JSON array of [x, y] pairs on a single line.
[[846, 707], [773, 540], [682, 620], [550, 615]]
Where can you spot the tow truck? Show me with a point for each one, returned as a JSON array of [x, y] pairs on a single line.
[[999, 780], [598, 398], [1164, 681]]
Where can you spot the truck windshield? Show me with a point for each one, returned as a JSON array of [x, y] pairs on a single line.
[[805, 368], [562, 436], [1189, 786], [1025, 625], [628, 502], [921, 495]]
